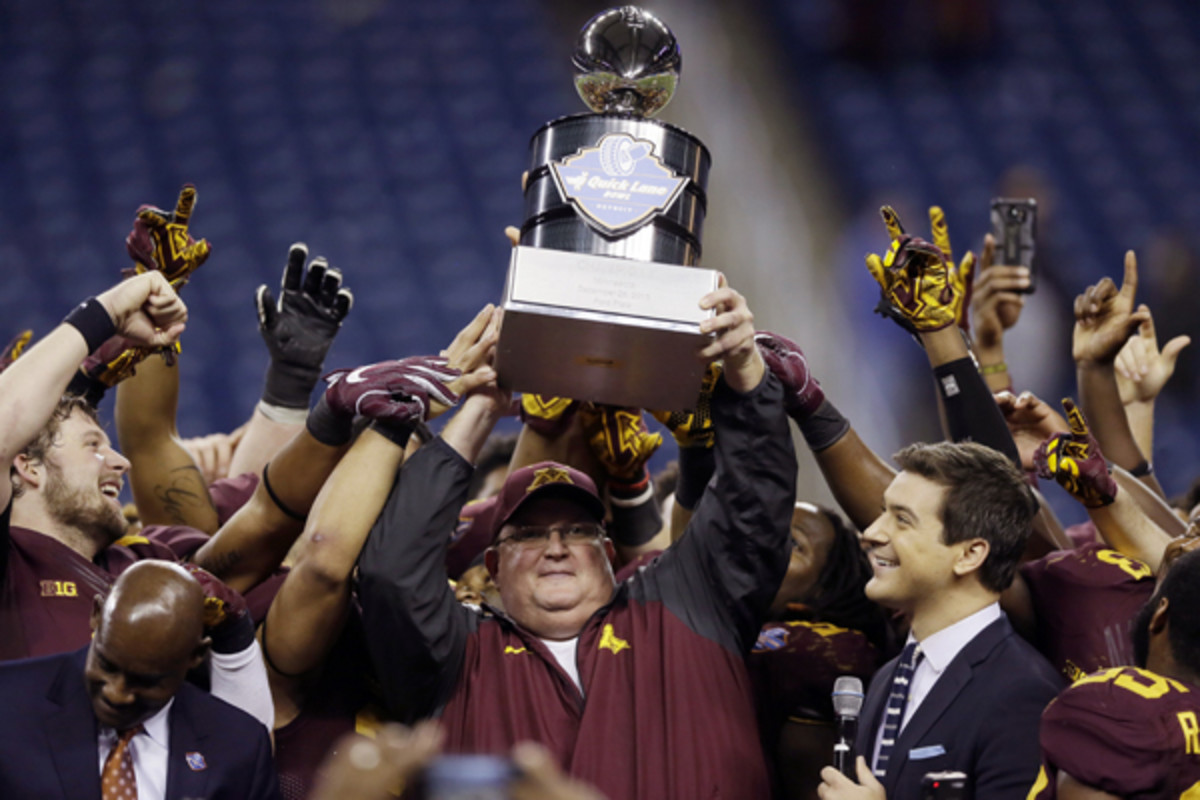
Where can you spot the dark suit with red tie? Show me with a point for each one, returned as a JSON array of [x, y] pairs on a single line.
[[49, 750]]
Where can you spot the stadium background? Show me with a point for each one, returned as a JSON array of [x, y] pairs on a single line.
[[391, 135]]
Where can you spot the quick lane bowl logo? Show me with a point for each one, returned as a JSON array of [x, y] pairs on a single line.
[[617, 185]]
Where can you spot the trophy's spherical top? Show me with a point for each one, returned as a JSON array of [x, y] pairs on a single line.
[[627, 61]]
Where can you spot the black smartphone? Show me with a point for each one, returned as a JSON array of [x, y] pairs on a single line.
[[944, 786], [1014, 227]]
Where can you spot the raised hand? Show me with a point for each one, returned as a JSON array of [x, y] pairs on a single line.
[[733, 325], [1074, 460], [1142, 369], [160, 240], [1031, 421], [146, 310], [802, 395], [1105, 317], [998, 297], [922, 288], [299, 328], [619, 439], [546, 415], [471, 353], [395, 392], [694, 428]]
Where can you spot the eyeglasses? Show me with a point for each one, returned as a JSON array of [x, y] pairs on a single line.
[[539, 535]]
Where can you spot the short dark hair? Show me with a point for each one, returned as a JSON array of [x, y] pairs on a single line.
[[46, 438], [1181, 587], [987, 499]]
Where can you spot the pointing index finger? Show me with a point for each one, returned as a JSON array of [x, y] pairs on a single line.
[[187, 202], [1129, 284]]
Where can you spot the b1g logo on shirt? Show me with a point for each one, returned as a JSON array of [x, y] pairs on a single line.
[[59, 589]]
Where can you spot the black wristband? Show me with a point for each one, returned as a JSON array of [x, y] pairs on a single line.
[[287, 512], [634, 523], [288, 385], [92, 320], [824, 427], [232, 635], [328, 427], [1142, 470], [395, 433], [696, 468]]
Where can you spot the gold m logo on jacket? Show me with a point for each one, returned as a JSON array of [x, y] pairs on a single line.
[[610, 641]]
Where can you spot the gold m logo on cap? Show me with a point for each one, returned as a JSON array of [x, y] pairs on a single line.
[[547, 475]]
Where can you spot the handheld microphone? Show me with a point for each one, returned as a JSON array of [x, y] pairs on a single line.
[[847, 703]]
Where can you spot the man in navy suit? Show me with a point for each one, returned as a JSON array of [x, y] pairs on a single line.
[[122, 708], [967, 692]]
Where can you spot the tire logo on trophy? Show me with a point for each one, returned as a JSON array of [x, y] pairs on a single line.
[[618, 185]]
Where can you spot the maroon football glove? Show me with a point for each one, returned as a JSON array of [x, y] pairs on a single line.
[[1074, 460], [226, 617], [397, 392], [160, 240], [802, 394]]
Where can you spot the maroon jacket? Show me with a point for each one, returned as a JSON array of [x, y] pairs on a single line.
[[667, 709]]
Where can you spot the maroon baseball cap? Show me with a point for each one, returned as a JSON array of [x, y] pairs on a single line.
[[539, 480]]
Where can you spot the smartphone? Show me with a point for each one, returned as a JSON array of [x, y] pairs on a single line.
[[1014, 227], [944, 786], [469, 777]]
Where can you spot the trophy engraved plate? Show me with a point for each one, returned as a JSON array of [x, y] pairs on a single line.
[[602, 297]]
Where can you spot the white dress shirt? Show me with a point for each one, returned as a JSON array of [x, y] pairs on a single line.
[[149, 750], [937, 651]]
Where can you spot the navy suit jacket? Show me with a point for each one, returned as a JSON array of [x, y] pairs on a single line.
[[48, 739], [981, 718]]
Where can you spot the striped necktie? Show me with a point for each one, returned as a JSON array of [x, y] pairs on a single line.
[[893, 715], [117, 781]]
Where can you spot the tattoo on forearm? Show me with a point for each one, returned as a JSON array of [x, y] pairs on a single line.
[[221, 563], [185, 491]]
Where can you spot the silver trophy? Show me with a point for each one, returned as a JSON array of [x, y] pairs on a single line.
[[602, 296]]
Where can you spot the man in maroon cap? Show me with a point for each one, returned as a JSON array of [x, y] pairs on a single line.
[[638, 688]]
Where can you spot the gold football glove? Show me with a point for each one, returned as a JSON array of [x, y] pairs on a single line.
[[547, 415], [619, 439], [694, 428], [918, 278]]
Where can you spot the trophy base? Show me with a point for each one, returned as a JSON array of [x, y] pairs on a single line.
[[603, 329]]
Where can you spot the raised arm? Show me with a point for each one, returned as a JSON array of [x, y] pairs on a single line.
[[995, 306], [306, 616], [725, 570], [298, 329], [145, 310], [1142, 372], [167, 486], [1105, 318], [1074, 460]]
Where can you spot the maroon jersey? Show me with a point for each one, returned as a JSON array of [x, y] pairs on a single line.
[[337, 703], [794, 664], [1086, 600], [1125, 731], [46, 590]]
